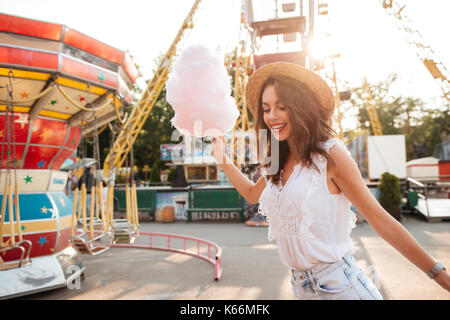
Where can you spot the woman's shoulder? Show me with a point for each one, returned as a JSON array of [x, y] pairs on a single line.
[[328, 144], [340, 156], [336, 149]]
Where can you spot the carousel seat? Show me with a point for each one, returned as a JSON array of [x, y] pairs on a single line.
[[24, 256]]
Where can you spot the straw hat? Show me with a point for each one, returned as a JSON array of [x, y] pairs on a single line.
[[315, 83]]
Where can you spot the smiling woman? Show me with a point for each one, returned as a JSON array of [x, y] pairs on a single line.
[[290, 110], [307, 198], [276, 116]]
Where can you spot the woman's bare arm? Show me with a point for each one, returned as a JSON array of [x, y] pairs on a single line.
[[346, 175], [249, 190]]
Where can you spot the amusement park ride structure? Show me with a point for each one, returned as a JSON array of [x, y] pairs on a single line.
[[425, 53], [56, 87], [140, 112]]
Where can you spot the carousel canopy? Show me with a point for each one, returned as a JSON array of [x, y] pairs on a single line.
[[56, 85], [58, 72]]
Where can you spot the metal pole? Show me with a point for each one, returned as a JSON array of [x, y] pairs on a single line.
[[310, 31]]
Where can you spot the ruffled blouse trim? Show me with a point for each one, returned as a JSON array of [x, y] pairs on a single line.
[[264, 211], [275, 229], [351, 222], [327, 146]]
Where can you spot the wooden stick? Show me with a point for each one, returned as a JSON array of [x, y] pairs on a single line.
[[102, 209], [11, 216], [107, 208], [4, 200], [19, 225], [127, 200], [83, 204], [96, 203], [111, 204], [132, 215], [135, 206], [91, 222], [74, 211], [80, 207], [136, 209]]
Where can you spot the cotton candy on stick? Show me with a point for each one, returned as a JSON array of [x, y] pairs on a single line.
[[199, 91]]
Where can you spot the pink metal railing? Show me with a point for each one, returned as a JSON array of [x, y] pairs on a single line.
[[216, 261]]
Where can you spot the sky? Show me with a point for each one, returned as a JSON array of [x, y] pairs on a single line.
[[362, 33]]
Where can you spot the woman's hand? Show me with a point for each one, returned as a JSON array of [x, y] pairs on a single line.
[[443, 279], [218, 149]]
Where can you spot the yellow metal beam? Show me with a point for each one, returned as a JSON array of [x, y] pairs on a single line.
[[131, 128], [240, 81], [424, 52], [372, 111]]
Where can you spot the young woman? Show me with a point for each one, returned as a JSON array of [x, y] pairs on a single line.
[[309, 185]]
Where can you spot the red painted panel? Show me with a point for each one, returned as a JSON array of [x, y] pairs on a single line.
[[21, 124], [64, 237], [130, 68], [89, 72], [83, 42], [444, 170], [28, 58], [32, 28], [39, 157], [57, 163], [42, 244], [48, 132], [19, 152], [74, 138]]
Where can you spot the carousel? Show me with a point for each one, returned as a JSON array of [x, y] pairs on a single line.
[[57, 85]]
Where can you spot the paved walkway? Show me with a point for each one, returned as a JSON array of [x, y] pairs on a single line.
[[251, 266]]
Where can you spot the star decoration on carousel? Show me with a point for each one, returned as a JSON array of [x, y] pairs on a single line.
[[42, 240], [23, 120], [101, 77], [44, 209], [24, 94], [40, 164], [53, 102], [61, 200], [81, 98], [28, 179], [45, 134], [53, 212]]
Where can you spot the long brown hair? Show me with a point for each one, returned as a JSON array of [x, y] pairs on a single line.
[[311, 124]]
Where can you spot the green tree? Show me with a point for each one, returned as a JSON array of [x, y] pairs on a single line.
[[393, 111], [433, 123], [390, 195], [156, 130], [390, 191], [154, 175], [399, 115]]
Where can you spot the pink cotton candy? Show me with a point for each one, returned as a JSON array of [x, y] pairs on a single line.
[[199, 92]]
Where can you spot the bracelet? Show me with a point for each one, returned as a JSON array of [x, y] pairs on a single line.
[[435, 270]]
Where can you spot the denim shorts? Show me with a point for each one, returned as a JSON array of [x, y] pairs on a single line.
[[341, 280]]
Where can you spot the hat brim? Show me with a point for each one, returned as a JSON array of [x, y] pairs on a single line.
[[316, 84]]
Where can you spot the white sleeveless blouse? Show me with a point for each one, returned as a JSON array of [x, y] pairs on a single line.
[[311, 225]]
